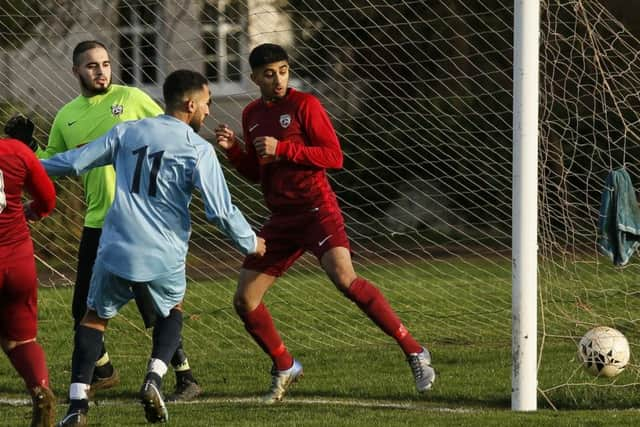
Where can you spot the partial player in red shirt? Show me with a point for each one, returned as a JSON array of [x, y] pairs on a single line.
[[289, 142], [21, 170]]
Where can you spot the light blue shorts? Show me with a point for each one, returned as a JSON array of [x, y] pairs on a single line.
[[108, 292]]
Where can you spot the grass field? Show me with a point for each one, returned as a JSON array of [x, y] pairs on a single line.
[[354, 377]]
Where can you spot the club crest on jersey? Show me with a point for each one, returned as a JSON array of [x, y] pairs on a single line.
[[285, 120], [117, 109]]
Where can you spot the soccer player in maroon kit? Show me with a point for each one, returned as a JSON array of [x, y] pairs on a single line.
[[289, 143], [20, 169]]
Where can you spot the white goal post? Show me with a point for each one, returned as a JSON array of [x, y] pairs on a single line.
[[525, 204]]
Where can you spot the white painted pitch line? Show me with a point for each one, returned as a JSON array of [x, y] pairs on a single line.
[[289, 401]]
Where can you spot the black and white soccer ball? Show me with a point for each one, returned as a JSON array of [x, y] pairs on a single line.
[[604, 351]]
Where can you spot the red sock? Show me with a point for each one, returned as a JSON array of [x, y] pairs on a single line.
[[375, 305], [30, 362], [259, 324]]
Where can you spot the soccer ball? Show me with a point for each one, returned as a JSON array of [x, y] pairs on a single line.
[[604, 351]]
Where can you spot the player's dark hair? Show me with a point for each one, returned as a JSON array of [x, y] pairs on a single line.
[[84, 46], [267, 53], [180, 83]]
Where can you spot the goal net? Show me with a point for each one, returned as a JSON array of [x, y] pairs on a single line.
[[420, 93]]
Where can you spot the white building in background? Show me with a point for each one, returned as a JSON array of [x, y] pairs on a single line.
[[147, 39]]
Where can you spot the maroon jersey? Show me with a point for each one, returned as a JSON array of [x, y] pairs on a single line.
[[20, 169], [295, 179]]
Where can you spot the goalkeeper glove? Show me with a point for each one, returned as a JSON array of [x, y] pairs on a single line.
[[21, 127]]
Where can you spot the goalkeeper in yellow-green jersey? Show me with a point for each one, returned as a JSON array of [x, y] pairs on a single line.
[[100, 106]]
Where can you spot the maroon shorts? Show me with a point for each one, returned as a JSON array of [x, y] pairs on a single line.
[[289, 236], [19, 300]]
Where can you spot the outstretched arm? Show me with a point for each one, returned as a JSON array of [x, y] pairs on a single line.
[[209, 179], [75, 162]]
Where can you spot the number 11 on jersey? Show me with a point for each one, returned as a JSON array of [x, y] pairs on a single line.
[[153, 173]]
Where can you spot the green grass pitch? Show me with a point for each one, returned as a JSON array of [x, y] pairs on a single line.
[[352, 378]]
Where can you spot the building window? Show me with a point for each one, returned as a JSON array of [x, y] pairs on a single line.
[[223, 39], [138, 25]]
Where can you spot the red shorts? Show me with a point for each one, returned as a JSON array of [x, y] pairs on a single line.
[[19, 300], [289, 236]]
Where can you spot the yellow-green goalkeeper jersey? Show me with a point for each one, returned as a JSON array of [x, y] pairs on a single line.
[[87, 118]]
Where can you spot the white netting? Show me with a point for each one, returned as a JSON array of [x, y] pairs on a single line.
[[420, 94]]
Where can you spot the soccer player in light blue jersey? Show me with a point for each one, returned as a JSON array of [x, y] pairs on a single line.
[[159, 162]]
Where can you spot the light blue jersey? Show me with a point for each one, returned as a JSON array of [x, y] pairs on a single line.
[[158, 162]]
